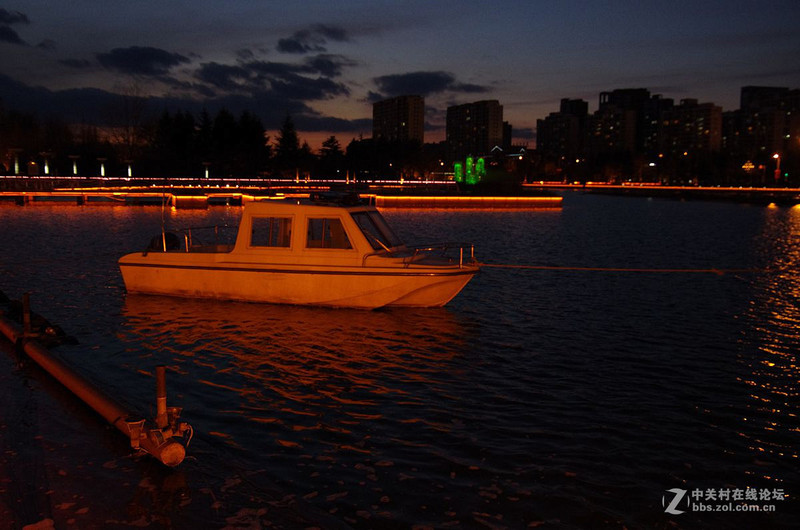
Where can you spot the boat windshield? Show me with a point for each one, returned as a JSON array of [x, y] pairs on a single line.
[[378, 233]]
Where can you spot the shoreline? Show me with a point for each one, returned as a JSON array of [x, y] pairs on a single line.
[[760, 196]]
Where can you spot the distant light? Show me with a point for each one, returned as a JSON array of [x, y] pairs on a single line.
[[652, 164]]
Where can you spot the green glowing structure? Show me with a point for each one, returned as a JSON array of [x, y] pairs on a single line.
[[458, 172], [480, 170], [470, 172]]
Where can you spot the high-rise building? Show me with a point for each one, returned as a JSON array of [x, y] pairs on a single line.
[[647, 111], [474, 128], [768, 121], [611, 130], [399, 119], [562, 134], [691, 127]]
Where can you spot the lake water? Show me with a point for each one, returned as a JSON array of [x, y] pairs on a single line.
[[561, 398]]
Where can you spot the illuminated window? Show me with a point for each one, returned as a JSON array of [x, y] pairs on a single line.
[[327, 233], [271, 232]]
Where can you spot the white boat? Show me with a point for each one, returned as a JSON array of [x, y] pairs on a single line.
[[316, 251]]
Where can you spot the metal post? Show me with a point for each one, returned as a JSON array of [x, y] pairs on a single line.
[[161, 397]]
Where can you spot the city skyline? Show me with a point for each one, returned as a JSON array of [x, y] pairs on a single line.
[[326, 64]]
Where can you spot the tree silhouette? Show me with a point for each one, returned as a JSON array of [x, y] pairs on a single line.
[[331, 157], [287, 147]]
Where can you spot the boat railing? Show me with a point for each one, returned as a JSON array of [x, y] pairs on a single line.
[[412, 254], [214, 238]]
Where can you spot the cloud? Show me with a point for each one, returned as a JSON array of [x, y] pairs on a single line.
[[245, 54], [422, 83], [307, 89], [312, 39], [76, 63], [314, 122], [76, 105], [308, 81], [47, 44], [224, 76], [526, 133], [91, 105], [138, 60], [328, 65], [9, 35], [332, 32], [13, 17]]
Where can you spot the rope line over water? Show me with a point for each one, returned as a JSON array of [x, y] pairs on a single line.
[[718, 272]]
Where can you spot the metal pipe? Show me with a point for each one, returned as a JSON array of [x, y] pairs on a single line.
[[158, 442]]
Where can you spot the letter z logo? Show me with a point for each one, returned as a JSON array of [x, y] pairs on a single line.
[[673, 505]]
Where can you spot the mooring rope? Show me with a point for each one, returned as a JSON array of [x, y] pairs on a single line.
[[718, 272]]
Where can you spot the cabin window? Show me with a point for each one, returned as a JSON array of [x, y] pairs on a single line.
[[327, 233], [271, 232], [378, 233]]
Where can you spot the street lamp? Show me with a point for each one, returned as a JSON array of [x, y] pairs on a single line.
[[777, 158], [46, 155], [15, 151]]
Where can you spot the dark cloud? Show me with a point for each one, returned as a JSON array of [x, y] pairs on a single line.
[[224, 76], [308, 89], [9, 35], [13, 17], [245, 54], [333, 33], [77, 105], [313, 39], [47, 44], [307, 81], [422, 83], [90, 105], [138, 60], [328, 65], [526, 133], [76, 63], [295, 45], [314, 122]]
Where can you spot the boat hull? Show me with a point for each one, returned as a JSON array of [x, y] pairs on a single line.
[[362, 287]]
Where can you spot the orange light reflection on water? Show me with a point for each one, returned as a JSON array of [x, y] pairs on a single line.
[[287, 364], [775, 314]]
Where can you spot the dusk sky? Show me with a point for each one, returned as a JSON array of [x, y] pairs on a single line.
[[326, 62]]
